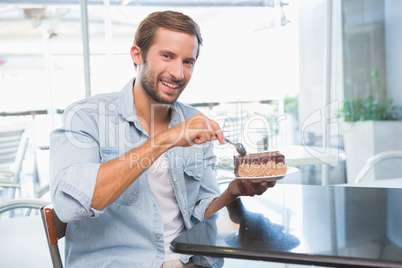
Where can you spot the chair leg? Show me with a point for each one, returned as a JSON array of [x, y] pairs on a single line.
[[13, 193]]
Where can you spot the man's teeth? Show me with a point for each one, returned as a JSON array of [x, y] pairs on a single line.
[[170, 85]]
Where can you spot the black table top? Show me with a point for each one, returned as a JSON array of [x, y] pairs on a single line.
[[305, 224]]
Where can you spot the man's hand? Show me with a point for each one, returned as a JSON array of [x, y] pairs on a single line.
[[235, 189], [195, 130], [247, 188]]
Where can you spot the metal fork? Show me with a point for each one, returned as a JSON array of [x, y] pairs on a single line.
[[238, 146]]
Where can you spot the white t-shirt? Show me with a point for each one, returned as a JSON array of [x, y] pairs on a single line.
[[162, 189]]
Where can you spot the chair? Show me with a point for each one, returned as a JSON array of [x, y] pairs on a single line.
[[42, 190], [55, 229], [39, 194], [13, 146], [376, 159], [233, 127], [30, 203]]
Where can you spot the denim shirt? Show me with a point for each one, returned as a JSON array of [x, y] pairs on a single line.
[[129, 232]]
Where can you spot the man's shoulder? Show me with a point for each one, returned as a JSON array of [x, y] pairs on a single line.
[[103, 98], [94, 101]]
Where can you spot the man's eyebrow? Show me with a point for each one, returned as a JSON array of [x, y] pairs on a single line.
[[192, 59], [163, 51], [170, 53], [167, 52]]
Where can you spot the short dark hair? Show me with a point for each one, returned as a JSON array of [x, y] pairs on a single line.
[[171, 20]]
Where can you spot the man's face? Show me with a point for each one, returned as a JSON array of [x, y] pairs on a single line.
[[168, 66]]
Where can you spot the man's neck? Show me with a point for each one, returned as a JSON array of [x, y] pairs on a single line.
[[154, 117]]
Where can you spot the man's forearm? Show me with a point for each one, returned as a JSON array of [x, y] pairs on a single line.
[[115, 176], [235, 189], [218, 203]]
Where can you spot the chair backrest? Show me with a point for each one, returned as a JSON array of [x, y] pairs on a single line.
[[9, 143], [54, 229], [13, 147], [376, 159], [29, 203]]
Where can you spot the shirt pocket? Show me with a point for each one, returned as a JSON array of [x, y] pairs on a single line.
[[194, 170], [108, 154], [130, 195]]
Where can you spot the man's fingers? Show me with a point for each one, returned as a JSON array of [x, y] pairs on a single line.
[[209, 129], [248, 188], [218, 135]]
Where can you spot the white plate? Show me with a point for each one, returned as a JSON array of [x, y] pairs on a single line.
[[289, 171]]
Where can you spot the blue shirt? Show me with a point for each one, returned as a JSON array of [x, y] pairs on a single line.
[[129, 232]]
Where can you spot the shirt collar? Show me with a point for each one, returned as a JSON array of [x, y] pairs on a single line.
[[127, 107]]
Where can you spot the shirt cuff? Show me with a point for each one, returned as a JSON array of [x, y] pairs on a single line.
[[199, 210], [76, 190]]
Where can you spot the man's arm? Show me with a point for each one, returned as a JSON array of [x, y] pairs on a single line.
[[235, 189], [116, 175]]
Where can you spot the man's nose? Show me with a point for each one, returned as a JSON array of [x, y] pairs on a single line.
[[176, 70]]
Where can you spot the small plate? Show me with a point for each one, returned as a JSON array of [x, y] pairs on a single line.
[[289, 171]]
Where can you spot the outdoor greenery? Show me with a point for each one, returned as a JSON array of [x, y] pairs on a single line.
[[371, 107], [357, 109], [292, 105]]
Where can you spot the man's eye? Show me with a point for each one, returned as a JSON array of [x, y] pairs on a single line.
[[189, 62], [166, 56]]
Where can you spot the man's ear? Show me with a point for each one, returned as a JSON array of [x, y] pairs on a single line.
[[136, 54]]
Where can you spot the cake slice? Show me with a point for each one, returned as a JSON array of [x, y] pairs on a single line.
[[260, 164]]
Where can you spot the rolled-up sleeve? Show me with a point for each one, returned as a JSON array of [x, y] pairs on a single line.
[[74, 163], [209, 189]]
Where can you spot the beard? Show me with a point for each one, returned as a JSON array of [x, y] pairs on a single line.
[[149, 82]]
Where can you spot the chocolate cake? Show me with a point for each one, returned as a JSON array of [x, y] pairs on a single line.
[[260, 164]]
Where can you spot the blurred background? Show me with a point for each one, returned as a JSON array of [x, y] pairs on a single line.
[[301, 77]]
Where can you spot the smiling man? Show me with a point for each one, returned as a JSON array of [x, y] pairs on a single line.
[[131, 170], [169, 65]]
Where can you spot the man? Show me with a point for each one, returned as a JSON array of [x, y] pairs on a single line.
[[130, 170]]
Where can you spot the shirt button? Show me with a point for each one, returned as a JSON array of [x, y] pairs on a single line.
[[157, 237], [184, 212], [175, 179]]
